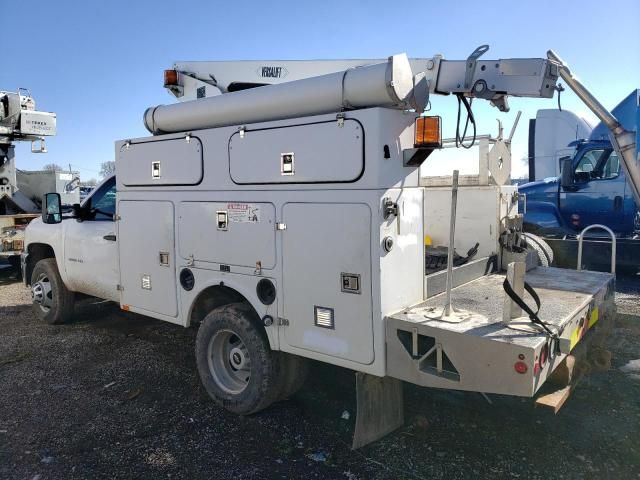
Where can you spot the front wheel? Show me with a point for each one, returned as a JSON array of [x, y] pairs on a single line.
[[52, 301], [236, 365]]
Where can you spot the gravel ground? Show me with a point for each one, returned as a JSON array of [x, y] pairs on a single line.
[[116, 395]]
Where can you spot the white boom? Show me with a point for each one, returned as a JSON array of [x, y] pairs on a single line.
[[323, 86], [20, 121], [493, 80]]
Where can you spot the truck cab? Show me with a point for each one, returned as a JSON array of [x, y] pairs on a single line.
[[592, 189], [589, 186], [82, 245]]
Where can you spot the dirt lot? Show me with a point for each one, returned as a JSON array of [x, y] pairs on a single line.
[[116, 395]]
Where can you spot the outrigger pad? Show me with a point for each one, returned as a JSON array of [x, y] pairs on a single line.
[[380, 408]]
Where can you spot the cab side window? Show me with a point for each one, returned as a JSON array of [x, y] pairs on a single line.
[[104, 201], [599, 164], [611, 168], [587, 164]]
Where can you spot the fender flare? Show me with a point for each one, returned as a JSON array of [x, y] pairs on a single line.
[[242, 288]]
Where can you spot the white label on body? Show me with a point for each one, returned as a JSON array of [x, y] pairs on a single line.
[[243, 212]]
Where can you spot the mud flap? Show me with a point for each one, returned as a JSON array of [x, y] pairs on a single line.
[[380, 408]]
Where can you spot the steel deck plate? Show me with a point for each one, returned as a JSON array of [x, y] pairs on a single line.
[[563, 293]]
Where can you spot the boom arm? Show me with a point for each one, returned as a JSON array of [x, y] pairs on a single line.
[[20, 121], [489, 79]]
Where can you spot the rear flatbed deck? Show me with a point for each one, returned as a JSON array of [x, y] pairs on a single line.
[[479, 351], [563, 293]]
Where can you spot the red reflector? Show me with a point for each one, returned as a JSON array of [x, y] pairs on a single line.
[[520, 367], [575, 219]]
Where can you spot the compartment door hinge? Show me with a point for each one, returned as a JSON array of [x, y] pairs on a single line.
[[283, 322], [119, 288], [281, 226]]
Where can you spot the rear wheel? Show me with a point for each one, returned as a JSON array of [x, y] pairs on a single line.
[[294, 373], [52, 301], [14, 261], [235, 362]]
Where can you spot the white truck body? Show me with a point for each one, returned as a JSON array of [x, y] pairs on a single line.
[[328, 210], [291, 229]]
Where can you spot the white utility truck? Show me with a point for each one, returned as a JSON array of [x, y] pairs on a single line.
[[288, 221]]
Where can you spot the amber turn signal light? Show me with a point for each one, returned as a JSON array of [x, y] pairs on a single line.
[[428, 132], [170, 78]]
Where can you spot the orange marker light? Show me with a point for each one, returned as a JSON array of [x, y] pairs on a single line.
[[170, 78], [124, 308], [428, 132]]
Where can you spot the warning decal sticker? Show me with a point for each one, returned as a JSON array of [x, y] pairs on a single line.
[[243, 212]]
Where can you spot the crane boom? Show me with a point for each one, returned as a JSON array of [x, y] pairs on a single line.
[[222, 93], [493, 80], [20, 121], [489, 79]]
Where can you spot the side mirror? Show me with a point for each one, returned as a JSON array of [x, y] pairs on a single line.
[[51, 208], [566, 172]]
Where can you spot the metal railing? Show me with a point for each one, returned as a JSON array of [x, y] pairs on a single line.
[[613, 245]]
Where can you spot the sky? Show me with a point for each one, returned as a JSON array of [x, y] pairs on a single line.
[[99, 64]]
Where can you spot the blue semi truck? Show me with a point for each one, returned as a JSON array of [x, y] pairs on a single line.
[[589, 187]]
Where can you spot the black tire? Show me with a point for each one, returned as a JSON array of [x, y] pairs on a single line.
[[52, 301], [14, 261], [542, 249], [294, 373], [233, 333]]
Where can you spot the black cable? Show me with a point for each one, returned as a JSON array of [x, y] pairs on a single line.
[[470, 119], [533, 316], [560, 89]]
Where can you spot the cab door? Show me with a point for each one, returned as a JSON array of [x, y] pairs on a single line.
[[90, 252], [597, 193]]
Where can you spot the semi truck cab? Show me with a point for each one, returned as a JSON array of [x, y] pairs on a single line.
[[587, 187], [591, 189]]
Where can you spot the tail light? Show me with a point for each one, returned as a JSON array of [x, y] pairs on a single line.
[[521, 367], [541, 360]]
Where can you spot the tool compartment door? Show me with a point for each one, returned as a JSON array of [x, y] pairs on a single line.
[[247, 238], [311, 153], [326, 259], [147, 257], [164, 162]]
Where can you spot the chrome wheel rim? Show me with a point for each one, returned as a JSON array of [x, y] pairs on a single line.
[[229, 362], [42, 293]]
